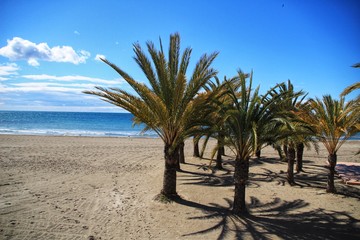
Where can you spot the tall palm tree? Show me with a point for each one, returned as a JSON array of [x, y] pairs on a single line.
[[334, 122], [244, 115], [170, 105]]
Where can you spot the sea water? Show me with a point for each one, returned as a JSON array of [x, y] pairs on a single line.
[[74, 124], [70, 124]]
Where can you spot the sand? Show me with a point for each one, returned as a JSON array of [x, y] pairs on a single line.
[[104, 188]]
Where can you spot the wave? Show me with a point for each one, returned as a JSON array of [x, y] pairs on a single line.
[[67, 132]]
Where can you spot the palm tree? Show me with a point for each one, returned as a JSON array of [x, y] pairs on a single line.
[[334, 122], [295, 133], [216, 127], [243, 116], [171, 104]]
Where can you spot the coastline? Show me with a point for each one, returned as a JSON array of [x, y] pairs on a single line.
[[75, 187]]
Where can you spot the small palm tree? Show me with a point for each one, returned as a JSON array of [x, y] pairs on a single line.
[[171, 104], [294, 132], [334, 122], [243, 116], [216, 128]]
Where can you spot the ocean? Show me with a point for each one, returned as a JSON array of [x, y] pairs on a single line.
[[70, 124], [74, 124]]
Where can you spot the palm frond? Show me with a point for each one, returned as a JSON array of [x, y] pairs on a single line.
[[171, 104]]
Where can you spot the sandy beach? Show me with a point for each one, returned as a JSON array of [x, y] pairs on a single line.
[[104, 188]]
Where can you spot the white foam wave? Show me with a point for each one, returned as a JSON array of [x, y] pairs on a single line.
[[67, 132]]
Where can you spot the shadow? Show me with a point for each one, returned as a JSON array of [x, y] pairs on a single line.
[[225, 178], [307, 161], [262, 160], [203, 166], [302, 179], [277, 218], [208, 179], [348, 191], [206, 167], [316, 178], [312, 176]]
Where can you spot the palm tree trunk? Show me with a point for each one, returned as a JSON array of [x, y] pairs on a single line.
[[258, 152], [332, 158], [285, 148], [290, 156], [196, 147], [222, 151], [299, 156], [219, 156], [181, 152], [171, 164], [241, 176], [219, 160], [278, 149], [221, 138]]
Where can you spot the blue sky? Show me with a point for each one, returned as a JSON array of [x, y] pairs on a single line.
[[48, 49]]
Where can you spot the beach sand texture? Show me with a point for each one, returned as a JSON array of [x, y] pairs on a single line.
[[103, 188]]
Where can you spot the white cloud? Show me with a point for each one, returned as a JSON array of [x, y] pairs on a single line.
[[51, 87], [47, 107], [72, 78], [57, 84], [21, 49], [98, 56], [45, 87], [8, 69], [76, 32]]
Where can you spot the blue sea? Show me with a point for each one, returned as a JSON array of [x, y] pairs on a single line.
[[74, 124], [70, 124]]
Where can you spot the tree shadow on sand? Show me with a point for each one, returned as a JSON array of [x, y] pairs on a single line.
[[207, 179], [313, 176], [283, 219]]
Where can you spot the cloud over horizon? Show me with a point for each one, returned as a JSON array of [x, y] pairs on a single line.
[[21, 49], [50, 83], [71, 78]]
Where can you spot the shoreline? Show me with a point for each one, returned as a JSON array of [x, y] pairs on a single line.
[[72, 187], [109, 136], [85, 136]]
